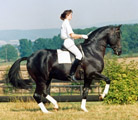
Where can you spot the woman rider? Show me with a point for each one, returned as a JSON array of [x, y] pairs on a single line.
[[69, 36]]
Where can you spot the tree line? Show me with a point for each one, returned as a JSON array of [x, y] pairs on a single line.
[[129, 40]]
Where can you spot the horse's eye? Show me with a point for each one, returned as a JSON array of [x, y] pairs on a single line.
[[118, 35]]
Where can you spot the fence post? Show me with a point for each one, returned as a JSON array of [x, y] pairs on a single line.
[[98, 90], [71, 91], [59, 91], [81, 89]]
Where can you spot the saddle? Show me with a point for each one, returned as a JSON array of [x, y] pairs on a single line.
[[79, 47], [66, 57]]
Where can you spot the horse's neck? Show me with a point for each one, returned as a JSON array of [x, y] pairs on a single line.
[[96, 47]]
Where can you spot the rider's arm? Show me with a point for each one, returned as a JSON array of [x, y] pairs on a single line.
[[75, 36], [72, 34]]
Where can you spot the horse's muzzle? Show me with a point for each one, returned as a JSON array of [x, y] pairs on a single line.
[[118, 51]]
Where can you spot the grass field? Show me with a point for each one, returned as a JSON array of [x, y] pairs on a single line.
[[68, 111]]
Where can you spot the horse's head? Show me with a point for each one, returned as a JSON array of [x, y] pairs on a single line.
[[114, 38]]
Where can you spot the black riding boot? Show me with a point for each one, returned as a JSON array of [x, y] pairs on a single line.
[[73, 70]]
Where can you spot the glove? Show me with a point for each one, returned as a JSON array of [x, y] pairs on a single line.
[[84, 36]]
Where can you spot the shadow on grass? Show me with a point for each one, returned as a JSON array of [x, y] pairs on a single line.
[[31, 110], [70, 108], [21, 110]]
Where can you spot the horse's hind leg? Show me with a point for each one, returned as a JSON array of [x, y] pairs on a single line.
[[38, 98], [42, 91], [48, 97], [53, 101]]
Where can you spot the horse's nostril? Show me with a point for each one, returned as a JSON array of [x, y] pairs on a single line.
[[119, 52]]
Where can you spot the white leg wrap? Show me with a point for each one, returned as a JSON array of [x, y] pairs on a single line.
[[52, 100], [106, 88], [83, 105], [43, 108], [105, 92]]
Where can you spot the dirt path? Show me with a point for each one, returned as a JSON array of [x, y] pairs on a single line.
[[128, 59]]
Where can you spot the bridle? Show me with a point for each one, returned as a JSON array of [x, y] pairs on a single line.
[[114, 47]]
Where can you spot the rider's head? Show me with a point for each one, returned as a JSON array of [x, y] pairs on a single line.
[[67, 14]]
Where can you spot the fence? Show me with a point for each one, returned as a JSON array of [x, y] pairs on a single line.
[[62, 93], [74, 89]]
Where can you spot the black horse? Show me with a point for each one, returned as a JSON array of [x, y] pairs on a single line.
[[43, 66]]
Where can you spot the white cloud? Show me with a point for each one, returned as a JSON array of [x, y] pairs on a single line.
[[2, 42], [13, 42]]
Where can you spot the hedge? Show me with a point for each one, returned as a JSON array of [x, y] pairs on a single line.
[[124, 81]]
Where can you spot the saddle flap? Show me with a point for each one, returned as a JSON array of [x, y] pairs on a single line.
[[63, 56]]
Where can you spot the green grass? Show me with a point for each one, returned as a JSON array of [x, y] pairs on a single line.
[[68, 111], [129, 55]]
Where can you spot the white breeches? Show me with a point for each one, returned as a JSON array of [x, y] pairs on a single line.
[[70, 45]]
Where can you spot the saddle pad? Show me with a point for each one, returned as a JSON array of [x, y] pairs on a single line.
[[63, 56]]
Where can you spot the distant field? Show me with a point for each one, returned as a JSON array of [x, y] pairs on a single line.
[[68, 111], [128, 59], [10, 63]]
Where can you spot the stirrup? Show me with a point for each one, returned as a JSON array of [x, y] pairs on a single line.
[[72, 78]]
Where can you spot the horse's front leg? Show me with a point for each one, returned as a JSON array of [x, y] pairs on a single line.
[[84, 98], [107, 86], [85, 95]]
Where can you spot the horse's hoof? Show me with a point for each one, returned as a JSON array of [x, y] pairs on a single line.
[[56, 109], [100, 98], [47, 112], [50, 112], [84, 109]]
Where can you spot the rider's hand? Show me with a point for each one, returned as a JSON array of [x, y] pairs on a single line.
[[84, 36]]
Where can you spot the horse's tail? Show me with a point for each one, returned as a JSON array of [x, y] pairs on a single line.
[[14, 76]]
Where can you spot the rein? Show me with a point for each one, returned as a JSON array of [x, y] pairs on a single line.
[[108, 46]]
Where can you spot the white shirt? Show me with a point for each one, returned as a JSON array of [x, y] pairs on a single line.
[[66, 29]]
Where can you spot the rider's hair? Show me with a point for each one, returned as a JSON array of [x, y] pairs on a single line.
[[65, 13]]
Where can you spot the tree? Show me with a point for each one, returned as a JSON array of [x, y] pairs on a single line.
[[25, 47], [8, 52], [130, 38], [47, 43], [39, 44]]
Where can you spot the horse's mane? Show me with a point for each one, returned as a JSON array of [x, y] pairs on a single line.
[[91, 35]]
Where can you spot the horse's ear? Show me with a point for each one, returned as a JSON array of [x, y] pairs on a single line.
[[119, 26]]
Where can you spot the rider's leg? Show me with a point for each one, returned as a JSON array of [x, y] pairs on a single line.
[[73, 70], [74, 49], [70, 45], [75, 64]]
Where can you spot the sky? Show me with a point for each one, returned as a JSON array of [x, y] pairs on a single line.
[[45, 14]]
